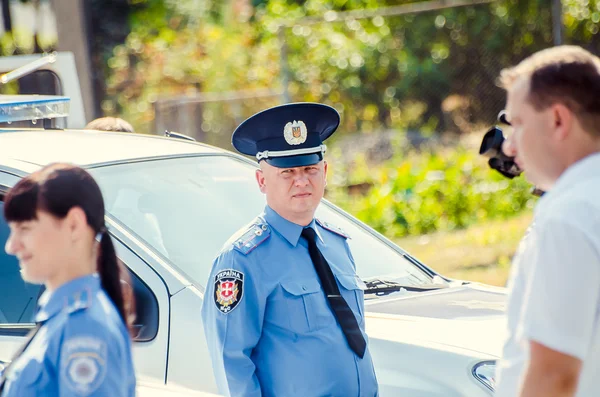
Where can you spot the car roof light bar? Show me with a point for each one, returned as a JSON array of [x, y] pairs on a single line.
[[32, 107]]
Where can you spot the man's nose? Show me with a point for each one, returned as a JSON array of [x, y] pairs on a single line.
[[508, 146], [302, 180]]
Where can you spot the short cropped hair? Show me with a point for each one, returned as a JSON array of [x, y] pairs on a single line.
[[114, 124], [568, 75]]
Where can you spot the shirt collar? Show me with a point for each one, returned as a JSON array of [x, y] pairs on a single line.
[[69, 294], [289, 230], [583, 169]]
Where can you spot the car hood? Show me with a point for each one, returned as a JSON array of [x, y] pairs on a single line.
[[468, 317], [150, 387]]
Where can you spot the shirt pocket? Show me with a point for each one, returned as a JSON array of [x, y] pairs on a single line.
[[306, 306], [352, 290]]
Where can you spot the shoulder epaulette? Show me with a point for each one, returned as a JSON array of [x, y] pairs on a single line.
[[333, 228], [79, 301], [251, 237]]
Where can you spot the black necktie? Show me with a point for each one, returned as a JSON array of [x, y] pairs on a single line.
[[341, 310], [20, 351]]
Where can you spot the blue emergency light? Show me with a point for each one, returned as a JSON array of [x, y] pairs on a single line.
[[32, 107]]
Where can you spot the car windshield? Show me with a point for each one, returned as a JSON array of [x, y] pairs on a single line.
[[186, 209]]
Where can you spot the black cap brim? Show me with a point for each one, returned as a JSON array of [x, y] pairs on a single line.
[[302, 160]]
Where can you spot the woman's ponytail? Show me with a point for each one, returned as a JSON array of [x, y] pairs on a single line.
[[110, 274]]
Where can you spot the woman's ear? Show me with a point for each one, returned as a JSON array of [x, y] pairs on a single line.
[[76, 222]]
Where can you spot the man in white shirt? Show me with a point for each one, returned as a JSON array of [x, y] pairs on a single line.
[[553, 344]]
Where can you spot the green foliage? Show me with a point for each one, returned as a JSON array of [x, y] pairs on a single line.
[[171, 52], [372, 70], [421, 192]]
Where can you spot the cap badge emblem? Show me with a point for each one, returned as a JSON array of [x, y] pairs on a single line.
[[295, 132]]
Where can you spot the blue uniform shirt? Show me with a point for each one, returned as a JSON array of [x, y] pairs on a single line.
[[269, 328], [81, 349]]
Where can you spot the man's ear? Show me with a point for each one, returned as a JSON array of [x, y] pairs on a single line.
[[75, 222], [562, 119], [260, 179], [325, 171]]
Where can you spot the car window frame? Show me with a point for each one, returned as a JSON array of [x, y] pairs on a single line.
[[182, 273], [390, 244]]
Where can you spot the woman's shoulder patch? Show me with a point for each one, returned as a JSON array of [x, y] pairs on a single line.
[[83, 363]]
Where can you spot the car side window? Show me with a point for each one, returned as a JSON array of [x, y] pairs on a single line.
[[145, 324], [17, 298]]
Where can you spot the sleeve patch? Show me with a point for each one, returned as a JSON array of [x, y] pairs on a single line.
[[83, 364], [229, 289]]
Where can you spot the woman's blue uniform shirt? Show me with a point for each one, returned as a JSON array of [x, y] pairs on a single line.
[[268, 325], [81, 349]]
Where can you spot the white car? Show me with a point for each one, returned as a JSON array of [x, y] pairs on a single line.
[[153, 388], [172, 203]]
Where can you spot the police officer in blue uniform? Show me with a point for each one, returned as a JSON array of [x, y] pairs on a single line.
[[80, 345], [283, 311]]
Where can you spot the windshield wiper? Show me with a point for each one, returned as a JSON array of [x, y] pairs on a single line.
[[382, 287]]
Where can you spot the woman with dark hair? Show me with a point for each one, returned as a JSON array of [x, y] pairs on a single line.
[[80, 345]]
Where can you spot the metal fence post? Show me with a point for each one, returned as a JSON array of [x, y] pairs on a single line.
[[284, 71], [557, 25]]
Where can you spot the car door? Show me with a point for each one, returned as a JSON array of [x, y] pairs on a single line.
[[18, 303]]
